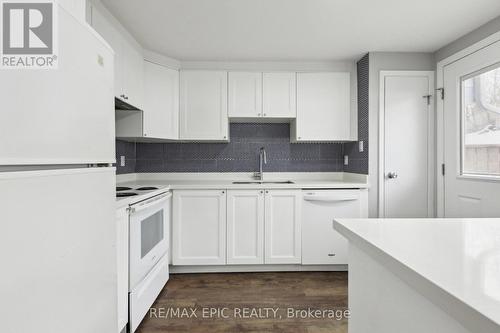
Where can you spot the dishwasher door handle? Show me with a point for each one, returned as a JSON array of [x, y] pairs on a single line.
[[331, 198]]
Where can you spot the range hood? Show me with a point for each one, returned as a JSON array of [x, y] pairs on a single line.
[[121, 105]]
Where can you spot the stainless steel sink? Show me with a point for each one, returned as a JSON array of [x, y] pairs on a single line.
[[259, 182]]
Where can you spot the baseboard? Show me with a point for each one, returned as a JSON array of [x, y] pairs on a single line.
[[257, 268]]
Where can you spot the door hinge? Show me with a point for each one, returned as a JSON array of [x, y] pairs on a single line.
[[441, 90], [443, 169]]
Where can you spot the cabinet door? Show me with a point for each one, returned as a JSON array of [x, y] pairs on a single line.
[[122, 228], [203, 105], [323, 107], [245, 94], [321, 244], [132, 74], [199, 227], [279, 95], [245, 227], [161, 102], [283, 227]]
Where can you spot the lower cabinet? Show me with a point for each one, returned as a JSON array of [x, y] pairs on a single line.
[[245, 227], [199, 227], [283, 227], [122, 266], [263, 227]]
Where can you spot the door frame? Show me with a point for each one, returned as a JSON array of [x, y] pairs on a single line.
[[430, 145], [440, 186]]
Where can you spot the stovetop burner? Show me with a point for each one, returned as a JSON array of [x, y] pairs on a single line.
[[125, 194], [122, 188], [146, 188]]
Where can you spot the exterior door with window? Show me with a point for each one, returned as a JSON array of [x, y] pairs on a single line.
[[472, 135]]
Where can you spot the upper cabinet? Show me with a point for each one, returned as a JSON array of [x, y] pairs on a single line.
[[128, 59], [324, 108], [279, 95], [203, 105], [245, 94], [161, 102]]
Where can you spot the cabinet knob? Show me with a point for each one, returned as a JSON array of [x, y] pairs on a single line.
[[261, 192], [225, 137], [265, 114], [223, 192], [267, 191]]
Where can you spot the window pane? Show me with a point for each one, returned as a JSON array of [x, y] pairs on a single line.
[[481, 123]]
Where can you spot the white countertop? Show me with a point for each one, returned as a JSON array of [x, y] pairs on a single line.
[[215, 181], [459, 256]]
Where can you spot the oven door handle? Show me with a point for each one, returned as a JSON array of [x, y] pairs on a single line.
[[148, 203]]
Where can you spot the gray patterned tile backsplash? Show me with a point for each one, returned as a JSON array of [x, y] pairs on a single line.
[[242, 153], [358, 161]]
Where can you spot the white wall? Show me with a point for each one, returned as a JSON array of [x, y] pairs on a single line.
[[382, 61]]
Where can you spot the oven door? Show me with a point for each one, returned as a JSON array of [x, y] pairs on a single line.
[[149, 228]]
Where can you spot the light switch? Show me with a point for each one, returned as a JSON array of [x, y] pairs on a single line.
[[122, 161], [361, 146], [346, 159]]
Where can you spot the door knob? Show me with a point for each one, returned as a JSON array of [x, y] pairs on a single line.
[[392, 175]]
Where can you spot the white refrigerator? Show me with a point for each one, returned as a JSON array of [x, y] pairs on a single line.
[[57, 190]]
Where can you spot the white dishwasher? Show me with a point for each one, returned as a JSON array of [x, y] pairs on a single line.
[[321, 244]]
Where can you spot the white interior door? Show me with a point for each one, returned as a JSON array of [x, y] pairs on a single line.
[[407, 144], [471, 134]]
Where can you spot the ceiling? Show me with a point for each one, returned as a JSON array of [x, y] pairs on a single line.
[[297, 30]]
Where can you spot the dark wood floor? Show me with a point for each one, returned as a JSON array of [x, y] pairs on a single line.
[[233, 291]]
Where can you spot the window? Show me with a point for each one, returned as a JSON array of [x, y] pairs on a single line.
[[481, 123]]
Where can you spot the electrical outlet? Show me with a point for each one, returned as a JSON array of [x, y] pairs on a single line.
[[361, 146], [346, 159], [122, 161]]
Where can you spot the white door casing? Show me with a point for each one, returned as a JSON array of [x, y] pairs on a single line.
[[406, 144], [465, 195]]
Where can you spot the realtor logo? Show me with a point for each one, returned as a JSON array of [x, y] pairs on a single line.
[[28, 31]]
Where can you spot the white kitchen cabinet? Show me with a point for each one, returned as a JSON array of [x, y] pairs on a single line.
[[245, 94], [128, 58], [279, 95], [283, 227], [122, 229], [321, 244], [199, 227], [161, 102], [245, 227], [203, 105], [323, 107]]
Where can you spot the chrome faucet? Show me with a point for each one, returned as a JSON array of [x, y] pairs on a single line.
[[262, 160]]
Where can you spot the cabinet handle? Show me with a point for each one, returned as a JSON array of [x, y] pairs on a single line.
[[331, 254]]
